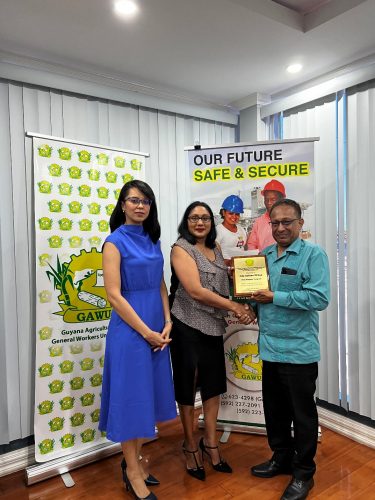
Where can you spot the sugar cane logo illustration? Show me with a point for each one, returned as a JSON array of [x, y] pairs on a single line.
[[245, 362], [80, 284]]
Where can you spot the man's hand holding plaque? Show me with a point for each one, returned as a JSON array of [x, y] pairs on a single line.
[[262, 296], [250, 278]]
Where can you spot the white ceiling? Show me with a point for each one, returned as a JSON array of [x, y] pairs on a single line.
[[303, 6], [217, 51]]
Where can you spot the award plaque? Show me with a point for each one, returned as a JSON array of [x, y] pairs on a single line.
[[250, 274]]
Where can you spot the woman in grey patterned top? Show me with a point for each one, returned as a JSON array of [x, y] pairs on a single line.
[[199, 293]]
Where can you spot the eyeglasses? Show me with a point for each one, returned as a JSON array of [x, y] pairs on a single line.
[[285, 223], [137, 201], [195, 218]]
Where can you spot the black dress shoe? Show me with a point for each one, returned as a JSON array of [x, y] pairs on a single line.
[[150, 479], [297, 489], [198, 471], [270, 469], [129, 487], [222, 465]]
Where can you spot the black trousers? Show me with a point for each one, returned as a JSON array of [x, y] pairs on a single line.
[[288, 397]]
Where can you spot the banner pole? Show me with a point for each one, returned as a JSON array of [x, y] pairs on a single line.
[[83, 143]]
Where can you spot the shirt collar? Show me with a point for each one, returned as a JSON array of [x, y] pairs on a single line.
[[295, 247]]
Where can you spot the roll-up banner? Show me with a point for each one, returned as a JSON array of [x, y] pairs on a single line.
[[76, 187], [244, 170]]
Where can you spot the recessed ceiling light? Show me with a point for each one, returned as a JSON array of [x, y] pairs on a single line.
[[294, 68], [125, 8]]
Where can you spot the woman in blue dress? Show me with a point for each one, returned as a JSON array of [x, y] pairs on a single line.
[[137, 380]]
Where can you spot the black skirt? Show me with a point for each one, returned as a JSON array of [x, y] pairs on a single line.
[[198, 362]]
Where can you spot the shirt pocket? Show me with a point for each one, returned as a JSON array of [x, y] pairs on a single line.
[[290, 283]]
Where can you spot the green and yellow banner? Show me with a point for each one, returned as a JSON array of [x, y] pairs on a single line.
[[76, 189]]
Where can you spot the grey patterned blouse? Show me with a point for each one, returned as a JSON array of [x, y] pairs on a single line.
[[214, 277]]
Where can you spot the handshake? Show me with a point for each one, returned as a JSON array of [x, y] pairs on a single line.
[[244, 313]]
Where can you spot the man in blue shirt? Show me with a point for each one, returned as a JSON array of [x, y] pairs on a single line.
[[289, 347]]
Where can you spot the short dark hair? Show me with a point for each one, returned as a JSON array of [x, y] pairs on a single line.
[[290, 203], [151, 224], [183, 228]]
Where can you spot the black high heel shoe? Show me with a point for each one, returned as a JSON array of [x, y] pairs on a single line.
[[222, 466], [150, 479], [129, 487], [198, 472]]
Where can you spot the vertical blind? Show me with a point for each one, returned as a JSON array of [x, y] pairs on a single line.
[[23, 107], [345, 177], [361, 249], [319, 120]]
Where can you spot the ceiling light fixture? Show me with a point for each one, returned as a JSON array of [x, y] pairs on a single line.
[[294, 68], [125, 8]]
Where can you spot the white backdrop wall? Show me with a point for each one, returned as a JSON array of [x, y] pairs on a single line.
[[345, 176], [23, 107], [318, 119], [360, 249]]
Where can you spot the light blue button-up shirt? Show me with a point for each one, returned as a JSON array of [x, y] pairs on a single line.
[[289, 325]]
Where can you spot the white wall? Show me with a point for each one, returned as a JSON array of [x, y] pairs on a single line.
[[25, 107]]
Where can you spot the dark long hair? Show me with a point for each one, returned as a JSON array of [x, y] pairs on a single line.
[[183, 228], [151, 224]]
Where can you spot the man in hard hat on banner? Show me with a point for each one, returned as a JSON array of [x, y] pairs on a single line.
[[260, 236], [230, 235]]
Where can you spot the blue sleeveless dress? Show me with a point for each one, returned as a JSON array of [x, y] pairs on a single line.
[[137, 389]]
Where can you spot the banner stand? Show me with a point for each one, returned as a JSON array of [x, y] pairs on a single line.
[[76, 187], [59, 466], [238, 175], [230, 425], [45, 470], [247, 428]]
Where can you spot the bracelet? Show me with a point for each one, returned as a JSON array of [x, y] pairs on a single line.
[[168, 321]]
